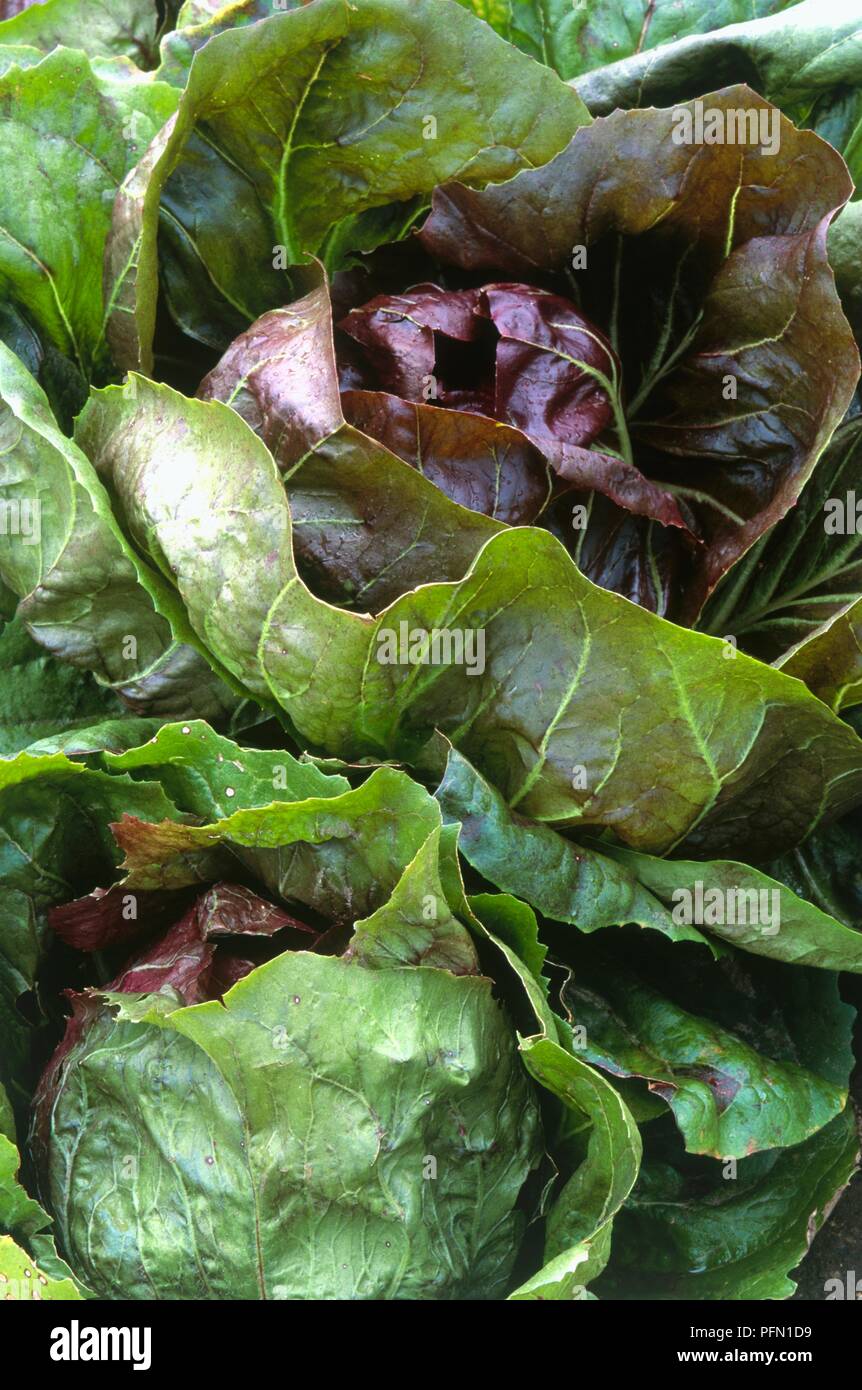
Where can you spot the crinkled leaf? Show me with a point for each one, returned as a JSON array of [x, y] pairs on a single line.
[[303, 1153], [415, 926], [211, 776], [341, 855]]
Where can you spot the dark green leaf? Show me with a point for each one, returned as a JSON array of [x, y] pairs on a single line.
[[737, 1236], [729, 1098], [566, 882], [102, 28], [801, 580], [86, 595], [790, 57], [41, 697]]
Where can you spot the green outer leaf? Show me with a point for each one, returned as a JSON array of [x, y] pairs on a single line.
[[805, 936], [321, 1088], [564, 881], [112, 735], [677, 744], [25, 1279], [19, 1214], [600, 1185], [573, 38], [744, 1237], [561, 1279], [124, 422], [197, 24], [24, 1223], [110, 28], [789, 57], [19, 55], [341, 855], [84, 591], [586, 1204], [331, 152], [72, 133]]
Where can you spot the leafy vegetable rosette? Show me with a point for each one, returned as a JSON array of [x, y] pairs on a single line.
[[430, 785]]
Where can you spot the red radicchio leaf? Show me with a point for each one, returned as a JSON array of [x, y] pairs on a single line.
[[540, 385], [112, 916], [397, 334], [189, 958], [480, 463], [540, 372], [707, 264], [383, 518]]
